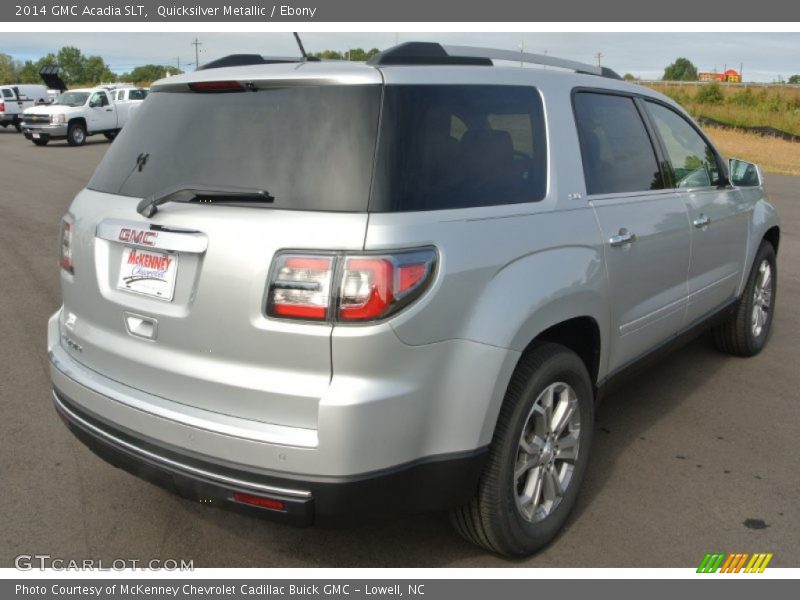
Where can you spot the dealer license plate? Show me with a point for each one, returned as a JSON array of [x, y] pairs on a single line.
[[148, 273]]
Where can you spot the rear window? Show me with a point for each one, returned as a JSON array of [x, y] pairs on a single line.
[[311, 148], [457, 146], [314, 148], [618, 156], [7, 93]]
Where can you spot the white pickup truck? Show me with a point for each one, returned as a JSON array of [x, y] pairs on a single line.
[[15, 98], [79, 113]]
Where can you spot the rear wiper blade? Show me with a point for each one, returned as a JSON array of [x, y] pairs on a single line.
[[149, 206]]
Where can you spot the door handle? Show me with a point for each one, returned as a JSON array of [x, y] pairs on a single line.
[[701, 221], [108, 110], [623, 238]]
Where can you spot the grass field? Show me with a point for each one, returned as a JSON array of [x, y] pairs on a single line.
[[772, 154], [770, 106]]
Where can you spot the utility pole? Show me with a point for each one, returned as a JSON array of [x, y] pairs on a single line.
[[178, 58], [598, 56], [197, 43], [741, 72]]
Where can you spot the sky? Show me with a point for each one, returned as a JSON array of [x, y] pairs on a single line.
[[765, 56]]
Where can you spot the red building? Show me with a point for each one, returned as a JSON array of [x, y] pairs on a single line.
[[729, 76]]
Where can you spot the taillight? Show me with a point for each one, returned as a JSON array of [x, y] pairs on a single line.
[[347, 287], [216, 86], [66, 244], [301, 287], [2, 107]]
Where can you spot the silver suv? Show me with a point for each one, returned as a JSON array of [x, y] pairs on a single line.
[[318, 290]]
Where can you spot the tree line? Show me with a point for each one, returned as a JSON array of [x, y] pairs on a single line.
[[76, 68], [684, 70]]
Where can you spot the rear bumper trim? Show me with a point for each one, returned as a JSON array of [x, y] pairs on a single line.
[[164, 462]]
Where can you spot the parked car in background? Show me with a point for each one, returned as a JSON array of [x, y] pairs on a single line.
[[15, 98], [317, 290], [79, 113]]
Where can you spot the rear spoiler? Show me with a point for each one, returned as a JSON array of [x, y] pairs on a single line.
[[49, 74], [241, 60]]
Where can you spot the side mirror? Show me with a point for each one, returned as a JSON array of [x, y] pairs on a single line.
[[94, 103], [745, 174]]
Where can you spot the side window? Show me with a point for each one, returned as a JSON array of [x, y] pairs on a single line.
[[617, 153], [7, 93], [693, 161], [459, 146], [120, 95], [99, 99]]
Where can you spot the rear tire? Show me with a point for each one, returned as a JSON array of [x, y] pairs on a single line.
[[18, 127], [110, 135], [76, 134], [745, 332], [40, 142], [519, 508]]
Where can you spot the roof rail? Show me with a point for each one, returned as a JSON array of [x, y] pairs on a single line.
[[430, 53], [241, 60]]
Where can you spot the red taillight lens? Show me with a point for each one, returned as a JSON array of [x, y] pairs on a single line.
[[2, 107], [301, 287], [259, 501], [66, 245], [366, 288], [216, 86]]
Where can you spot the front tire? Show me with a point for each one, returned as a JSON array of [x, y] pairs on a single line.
[[745, 332], [76, 134], [537, 457]]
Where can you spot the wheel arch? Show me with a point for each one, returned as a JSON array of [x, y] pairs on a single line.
[[773, 236], [79, 120]]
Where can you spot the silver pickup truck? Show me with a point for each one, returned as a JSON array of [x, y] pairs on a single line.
[[315, 290]]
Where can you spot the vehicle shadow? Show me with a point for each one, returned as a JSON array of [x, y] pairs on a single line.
[[622, 420]]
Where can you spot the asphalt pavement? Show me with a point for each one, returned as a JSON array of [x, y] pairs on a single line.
[[700, 453]]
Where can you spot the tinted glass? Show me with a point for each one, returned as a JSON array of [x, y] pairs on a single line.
[[694, 162], [137, 94], [7, 93], [456, 146], [310, 147], [616, 149]]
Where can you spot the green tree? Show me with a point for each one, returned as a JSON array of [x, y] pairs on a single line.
[[71, 64], [629, 77], [794, 79], [8, 69], [681, 70], [148, 73], [353, 54], [329, 55]]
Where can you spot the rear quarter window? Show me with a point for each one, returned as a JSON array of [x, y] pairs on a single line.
[[459, 146]]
